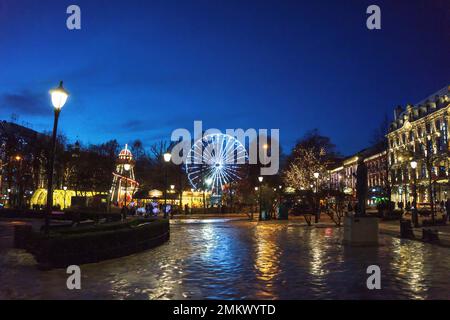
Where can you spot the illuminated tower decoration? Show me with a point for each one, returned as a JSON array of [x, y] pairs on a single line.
[[124, 184]]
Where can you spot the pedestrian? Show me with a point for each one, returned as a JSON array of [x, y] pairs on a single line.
[[349, 207], [447, 209], [123, 212]]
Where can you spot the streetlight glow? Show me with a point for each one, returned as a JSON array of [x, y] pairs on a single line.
[[167, 156], [59, 96], [260, 178]]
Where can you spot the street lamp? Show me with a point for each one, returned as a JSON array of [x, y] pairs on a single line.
[[127, 168], [167, 157], [316, 218], [414, 210], [19, 186], [9, 197], [172, 188], [65, 189], [260, 179], [59, 97], [280, 188]]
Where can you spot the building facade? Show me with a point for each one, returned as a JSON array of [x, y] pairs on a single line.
[[418, 136], [343, 175]]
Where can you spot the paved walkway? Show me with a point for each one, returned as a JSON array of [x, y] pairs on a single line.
[[393, 228]]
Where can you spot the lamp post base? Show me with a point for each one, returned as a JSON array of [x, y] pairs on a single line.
[[361, 231]]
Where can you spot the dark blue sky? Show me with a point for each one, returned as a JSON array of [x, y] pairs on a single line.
[[139, 69]]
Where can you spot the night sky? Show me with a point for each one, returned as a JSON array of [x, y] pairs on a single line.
[[140, 69]]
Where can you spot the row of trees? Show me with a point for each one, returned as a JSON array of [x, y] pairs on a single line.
[[89, 167]]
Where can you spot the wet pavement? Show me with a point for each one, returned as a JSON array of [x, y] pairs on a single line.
[[229, 259]]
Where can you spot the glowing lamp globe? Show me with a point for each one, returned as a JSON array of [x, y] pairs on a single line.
[[167, 157], [127, 166], [260, 179], [413, 164], [59, 96]]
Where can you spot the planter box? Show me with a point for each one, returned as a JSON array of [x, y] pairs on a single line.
[[361, 231]]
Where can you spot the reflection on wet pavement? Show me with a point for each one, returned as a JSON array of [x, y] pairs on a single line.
[[226, 259]]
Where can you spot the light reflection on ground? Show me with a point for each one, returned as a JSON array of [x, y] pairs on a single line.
[[224, 259]]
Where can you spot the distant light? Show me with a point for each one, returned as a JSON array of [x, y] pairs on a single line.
[[316, 175], [167, 156], [172, 186], [65, 188], [260, 178], [256, 188], [413, 164], [127, 166]]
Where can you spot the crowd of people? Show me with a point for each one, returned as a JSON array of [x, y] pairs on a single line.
[[152, 209]]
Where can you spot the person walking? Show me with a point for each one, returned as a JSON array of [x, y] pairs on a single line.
[[349, 207], [123, 213], [447, 209]]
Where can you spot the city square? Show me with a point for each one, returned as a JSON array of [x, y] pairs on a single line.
[[232, 150]]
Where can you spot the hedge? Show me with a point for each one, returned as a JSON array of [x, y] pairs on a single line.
[[64, 247]]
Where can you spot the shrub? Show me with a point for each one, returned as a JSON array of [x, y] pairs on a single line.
[[68, 246]]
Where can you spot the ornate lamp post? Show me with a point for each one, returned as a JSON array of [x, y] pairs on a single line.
[[316, 218], [167, 157], [260, 179], [59, 97], [414, 206]]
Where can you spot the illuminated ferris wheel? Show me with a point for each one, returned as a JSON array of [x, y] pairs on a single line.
[[214, 161]]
